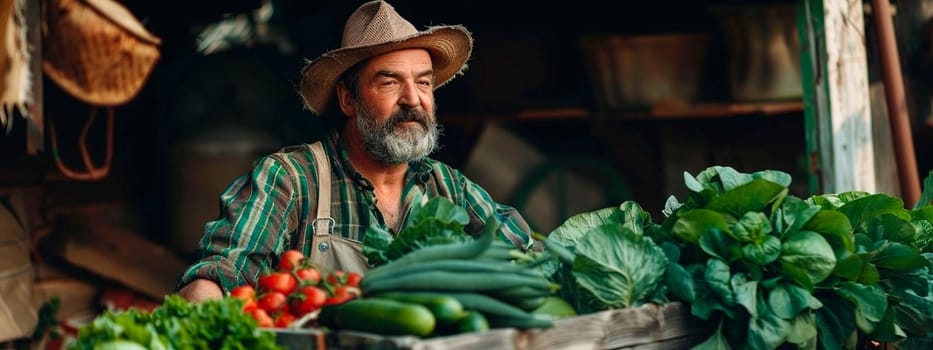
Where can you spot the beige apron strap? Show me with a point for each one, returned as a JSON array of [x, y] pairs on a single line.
[[330, 250], [323, 224]]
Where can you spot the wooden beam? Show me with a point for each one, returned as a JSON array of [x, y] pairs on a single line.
[[834, 66]]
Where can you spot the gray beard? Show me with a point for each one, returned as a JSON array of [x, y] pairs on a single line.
[[390, 144]]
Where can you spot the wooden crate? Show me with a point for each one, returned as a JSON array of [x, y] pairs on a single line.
[[668, 326]]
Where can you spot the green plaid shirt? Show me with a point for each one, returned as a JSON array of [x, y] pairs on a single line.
[[266, 212]]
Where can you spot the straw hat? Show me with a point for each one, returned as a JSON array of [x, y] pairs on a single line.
[[97, 51], [374, 29]]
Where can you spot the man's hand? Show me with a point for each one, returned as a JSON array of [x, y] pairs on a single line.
[[200, 290]]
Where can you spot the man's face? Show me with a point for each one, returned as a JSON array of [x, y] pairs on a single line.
[[395, 109]]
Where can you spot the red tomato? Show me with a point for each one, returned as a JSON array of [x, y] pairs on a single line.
[[308, 275], [308, 299], [341, 295], [290, 260], [244, 292], [250, 304], [284, 320], [353, 279], [282, 282], [262, 318], [337, 278], [273, 301]]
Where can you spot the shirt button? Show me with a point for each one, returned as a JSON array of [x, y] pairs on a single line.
[[322, 247]]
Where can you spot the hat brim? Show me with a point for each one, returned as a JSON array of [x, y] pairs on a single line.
[[450, 48]]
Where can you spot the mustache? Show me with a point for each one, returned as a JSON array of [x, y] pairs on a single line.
[[409, 115]]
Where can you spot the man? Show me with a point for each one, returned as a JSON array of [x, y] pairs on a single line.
[[370, 170]]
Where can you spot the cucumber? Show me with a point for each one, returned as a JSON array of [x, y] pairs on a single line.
[[514, 294], [488, 305], [499, 321], [379, 316], [473, 322], [453, 265], [446, 309], [529, 304], [453, 281]]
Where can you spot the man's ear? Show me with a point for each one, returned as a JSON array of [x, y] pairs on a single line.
[[345, 101]]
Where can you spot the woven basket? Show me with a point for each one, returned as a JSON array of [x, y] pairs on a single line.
[[97, 51]]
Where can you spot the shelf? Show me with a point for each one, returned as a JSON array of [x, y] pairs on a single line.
[[668, 111], [724, 109]]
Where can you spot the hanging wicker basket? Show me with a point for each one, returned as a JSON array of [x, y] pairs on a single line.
[[96, 50]]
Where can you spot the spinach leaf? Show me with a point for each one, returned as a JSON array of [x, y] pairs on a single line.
[[807, 258], [438, 221]]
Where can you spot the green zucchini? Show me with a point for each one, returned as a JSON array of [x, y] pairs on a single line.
[[446, 309], [379, 316], [454, 281]]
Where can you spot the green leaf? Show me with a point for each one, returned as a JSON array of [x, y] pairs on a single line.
[[753, 196], [718, 277], [870, 303], [887, 330], [788, 300], [752, 227], [926, 197], [720, 245], [692, 224], [835, 322], [634, 217], [775, 176], [746, 293], [834, 226], [914, 313], [692, 183], [891, 228], [807, 252], [850, 267], [438, 208], [375, 243], [898, 256], [426, 232], [732, 179], [795, 213], [763, 253], [623, 276], [869, 275], [717, 341], [572, 230], [767, 331], [861, 210], [802, 331], [680, 283]]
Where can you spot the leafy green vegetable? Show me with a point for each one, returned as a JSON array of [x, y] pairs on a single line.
[[808, 258], [626, 275], [176, 324], [439, 221], [614, 264]]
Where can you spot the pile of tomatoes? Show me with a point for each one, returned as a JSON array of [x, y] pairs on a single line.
[[295, 289]]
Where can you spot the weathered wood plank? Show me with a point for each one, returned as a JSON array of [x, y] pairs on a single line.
[[836, 97]]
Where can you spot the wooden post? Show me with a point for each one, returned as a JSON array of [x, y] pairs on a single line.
[[35, 140], [836, 96]]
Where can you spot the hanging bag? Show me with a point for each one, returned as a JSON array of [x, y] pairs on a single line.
[[98, 52]]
